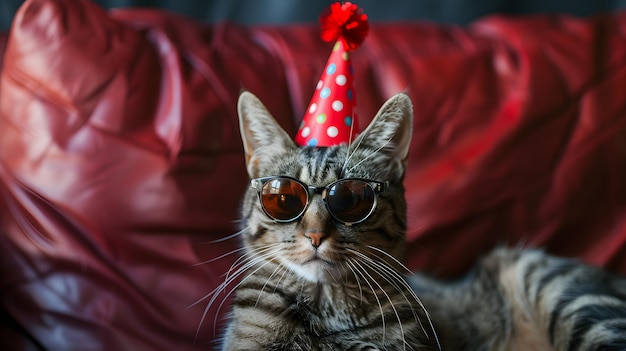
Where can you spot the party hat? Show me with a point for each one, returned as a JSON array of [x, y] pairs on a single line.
[[331, 116]]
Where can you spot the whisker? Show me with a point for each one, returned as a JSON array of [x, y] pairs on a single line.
[[219, 307], [395, 260], [363, 272], [286, 270], [384, 269], [232, 252], [402, 280], [372, 153], [356, 278], [229, 279], [395, 278], [354, 263], [237, 269], [350, 154], [393, 307], [253, 252], [279, 268], [228, 237]]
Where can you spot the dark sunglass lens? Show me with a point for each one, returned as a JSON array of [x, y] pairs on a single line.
[[351, 201], [283, 199]]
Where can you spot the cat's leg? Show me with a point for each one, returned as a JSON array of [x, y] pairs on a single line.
[[250, 331], [391, 345], [404, 329], [352, 345], [263, 317]]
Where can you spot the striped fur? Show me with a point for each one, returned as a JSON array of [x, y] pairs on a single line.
[[351, 293], [526, 300]]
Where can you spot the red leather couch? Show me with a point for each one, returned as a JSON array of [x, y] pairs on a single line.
[[121, 166]]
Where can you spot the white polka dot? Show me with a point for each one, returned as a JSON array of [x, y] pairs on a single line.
[[305, 132], [319, 85], [313, 108], [337, 105], [332, 131], [341, 80]]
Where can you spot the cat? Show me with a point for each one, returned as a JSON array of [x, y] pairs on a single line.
[[323, 229]]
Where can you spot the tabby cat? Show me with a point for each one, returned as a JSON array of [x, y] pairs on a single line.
[[324, 237]]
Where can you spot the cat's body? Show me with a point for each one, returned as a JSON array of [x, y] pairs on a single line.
[[526, 300], [315, 283]]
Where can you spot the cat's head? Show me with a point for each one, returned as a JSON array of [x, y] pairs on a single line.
[[334, 230]]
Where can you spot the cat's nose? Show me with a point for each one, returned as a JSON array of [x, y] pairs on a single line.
[[316, 238]]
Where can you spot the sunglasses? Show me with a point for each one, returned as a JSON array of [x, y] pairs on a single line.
[[349, 201]]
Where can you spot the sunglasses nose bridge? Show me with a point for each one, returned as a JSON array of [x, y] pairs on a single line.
[[313, 190], [316, 219]]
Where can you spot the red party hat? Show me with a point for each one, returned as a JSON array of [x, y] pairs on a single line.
[[331, 117]]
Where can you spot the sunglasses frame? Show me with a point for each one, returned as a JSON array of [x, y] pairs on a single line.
[[376, 186]]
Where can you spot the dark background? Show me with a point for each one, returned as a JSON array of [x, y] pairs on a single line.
[[289, 11]]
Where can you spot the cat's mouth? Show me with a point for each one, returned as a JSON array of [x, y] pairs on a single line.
[[315, 264], [316, 267], [316, 259]]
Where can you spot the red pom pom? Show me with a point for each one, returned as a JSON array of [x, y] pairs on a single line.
[[345, 22]]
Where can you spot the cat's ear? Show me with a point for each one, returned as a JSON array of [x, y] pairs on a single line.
[[390, 131], [262, 136]]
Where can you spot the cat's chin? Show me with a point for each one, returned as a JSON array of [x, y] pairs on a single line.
[[316, 270]]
